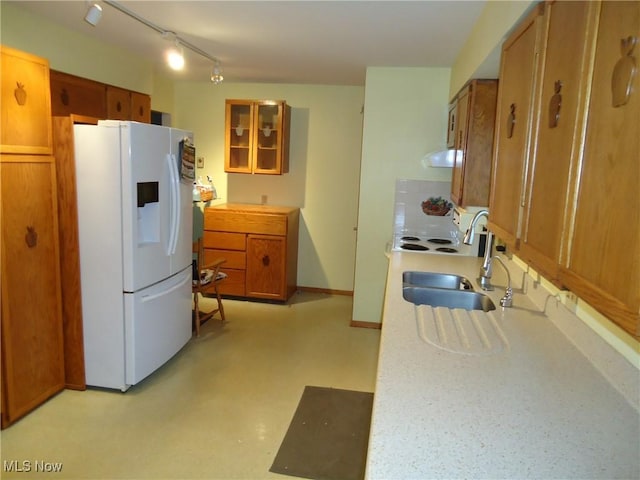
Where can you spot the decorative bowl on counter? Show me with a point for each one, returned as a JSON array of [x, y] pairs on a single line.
[[437, 206]]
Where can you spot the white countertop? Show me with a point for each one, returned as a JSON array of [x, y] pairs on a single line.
[[538, 408]]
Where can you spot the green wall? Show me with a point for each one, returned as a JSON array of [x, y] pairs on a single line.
[[405, 117], [324, 158]]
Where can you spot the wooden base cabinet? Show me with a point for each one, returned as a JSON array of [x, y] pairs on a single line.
[[260, 244]]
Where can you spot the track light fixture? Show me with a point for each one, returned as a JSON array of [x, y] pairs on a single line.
[[94, 12], [175, 57], [175, 54], [216, 74], [179, 43]]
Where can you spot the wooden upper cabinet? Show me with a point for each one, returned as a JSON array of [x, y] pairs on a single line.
[[513, 126], [558, 123], [603, 264], [26, 105], [140, 107], [71, 95], [451, 123], [118, 103], [257, 136], [474, 124], [460, 124]]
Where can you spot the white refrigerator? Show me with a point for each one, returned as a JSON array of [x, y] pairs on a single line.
[[135, 229]]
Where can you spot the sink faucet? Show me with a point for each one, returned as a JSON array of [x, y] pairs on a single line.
[[507, 300], [486, 269]]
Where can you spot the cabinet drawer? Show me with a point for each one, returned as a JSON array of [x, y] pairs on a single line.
[[225, 240], [234, 284], [246, 222], [234, 258]]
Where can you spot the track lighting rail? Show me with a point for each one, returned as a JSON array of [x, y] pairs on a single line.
[[162, 31]]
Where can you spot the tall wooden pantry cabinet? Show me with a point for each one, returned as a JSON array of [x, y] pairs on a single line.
[[32, 336]]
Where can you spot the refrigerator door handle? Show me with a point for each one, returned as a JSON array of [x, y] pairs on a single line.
[[174, 195], [151, 297]]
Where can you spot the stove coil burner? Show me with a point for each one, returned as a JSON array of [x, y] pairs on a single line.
[[410, 239], [413, 246], [446, 250], [440, 241]]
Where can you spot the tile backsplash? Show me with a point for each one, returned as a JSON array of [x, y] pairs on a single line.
[[408, 215]]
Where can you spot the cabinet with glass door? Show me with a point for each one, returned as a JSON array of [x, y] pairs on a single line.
[[257, 136]]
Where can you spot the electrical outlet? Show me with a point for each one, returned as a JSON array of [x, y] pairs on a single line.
[[571, 301], [200, 163]]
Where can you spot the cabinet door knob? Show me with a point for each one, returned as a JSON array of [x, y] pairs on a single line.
[[266, 260]]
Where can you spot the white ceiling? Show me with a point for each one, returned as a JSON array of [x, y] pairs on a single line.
[[313, 42]]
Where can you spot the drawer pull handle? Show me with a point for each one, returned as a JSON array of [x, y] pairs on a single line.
[[266, 260]]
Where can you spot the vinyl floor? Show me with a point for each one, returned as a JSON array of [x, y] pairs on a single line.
[[218, 410]]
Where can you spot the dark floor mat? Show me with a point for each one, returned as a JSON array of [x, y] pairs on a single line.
[[328, 436]]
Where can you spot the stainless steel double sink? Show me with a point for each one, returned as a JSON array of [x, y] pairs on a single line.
[[443, 290]]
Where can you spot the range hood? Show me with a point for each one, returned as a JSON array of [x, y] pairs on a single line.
[[440, 158]]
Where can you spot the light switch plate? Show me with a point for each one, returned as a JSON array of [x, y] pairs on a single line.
[[200, 162]]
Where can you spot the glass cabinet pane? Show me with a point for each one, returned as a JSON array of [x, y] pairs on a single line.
[[267, 153], [240, 137]]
